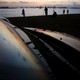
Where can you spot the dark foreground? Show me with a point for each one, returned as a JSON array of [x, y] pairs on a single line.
[[62, 58], [64, 23], [21, 62]]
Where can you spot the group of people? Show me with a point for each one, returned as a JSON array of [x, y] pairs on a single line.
[[46, 12], [45, 9], [64, 11]]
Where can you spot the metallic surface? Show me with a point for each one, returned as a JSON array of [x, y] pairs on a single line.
[[16, 60]]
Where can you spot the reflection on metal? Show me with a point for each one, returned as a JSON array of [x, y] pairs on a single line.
[[63, 37], [5, 19], [28, 43], [65, 59], [67, 39], [17, 62]]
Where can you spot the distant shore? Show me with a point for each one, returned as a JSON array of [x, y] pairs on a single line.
[[63, 23], [62, 7]]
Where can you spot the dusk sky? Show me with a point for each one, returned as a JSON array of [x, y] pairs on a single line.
[[38, 2]]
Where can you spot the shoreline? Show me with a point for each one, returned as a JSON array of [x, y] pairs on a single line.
[[69, 24]]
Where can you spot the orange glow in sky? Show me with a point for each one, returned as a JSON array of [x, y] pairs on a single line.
[[38, 2]]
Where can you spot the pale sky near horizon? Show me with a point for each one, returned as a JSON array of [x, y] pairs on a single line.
[[39, 2]]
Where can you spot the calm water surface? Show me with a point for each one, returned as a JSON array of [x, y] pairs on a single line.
[[33, 12]]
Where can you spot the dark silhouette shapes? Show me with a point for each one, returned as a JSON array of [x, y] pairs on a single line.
[[23, 12], [67, 11], [54, 13], [63, 11], [46, 11], [60, 38]]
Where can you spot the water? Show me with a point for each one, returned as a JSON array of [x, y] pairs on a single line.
[[33, 12]]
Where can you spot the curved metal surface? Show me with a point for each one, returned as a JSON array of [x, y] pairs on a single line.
[[16, 60], [67, 39], [65, 59], [63, 37]]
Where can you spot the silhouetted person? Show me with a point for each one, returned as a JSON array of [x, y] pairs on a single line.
[[63, 11], [23, 12], [55, 14], [67, 11], [46, 11]]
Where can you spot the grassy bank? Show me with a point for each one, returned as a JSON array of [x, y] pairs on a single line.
[[64, 23]]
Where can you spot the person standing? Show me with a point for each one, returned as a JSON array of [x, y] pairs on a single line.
[[46, 11], [23, 12], [67, 11], [63, 11]]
